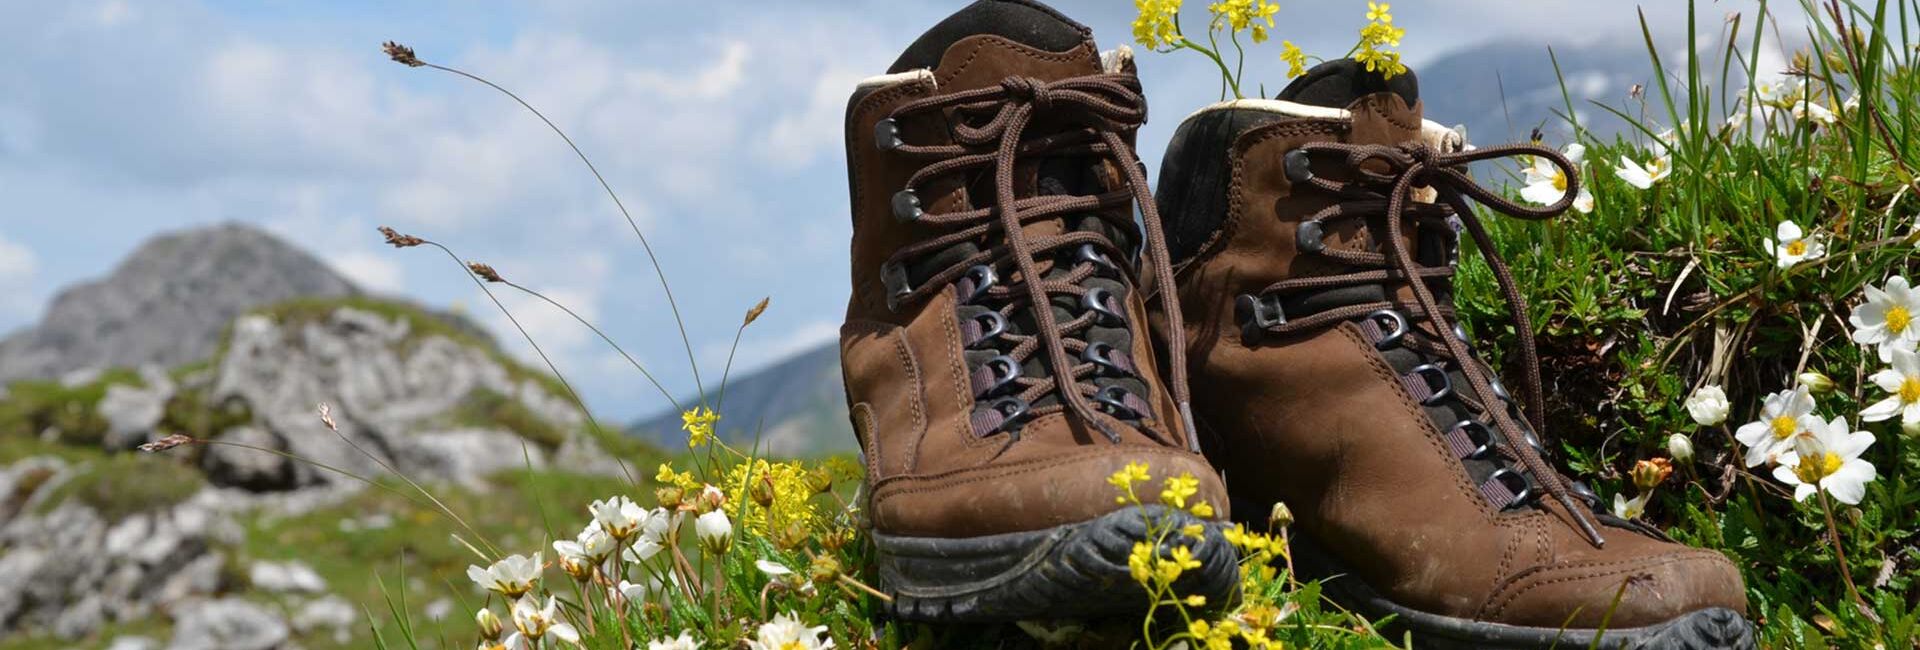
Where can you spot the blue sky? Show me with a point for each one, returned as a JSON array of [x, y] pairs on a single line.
[[718, 123]]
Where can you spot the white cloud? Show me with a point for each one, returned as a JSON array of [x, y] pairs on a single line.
[[18, 266], [376, 272]]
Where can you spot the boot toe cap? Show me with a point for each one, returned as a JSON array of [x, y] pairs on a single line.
[[1651, 590]]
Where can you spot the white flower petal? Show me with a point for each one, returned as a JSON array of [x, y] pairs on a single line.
[[1882, 410]]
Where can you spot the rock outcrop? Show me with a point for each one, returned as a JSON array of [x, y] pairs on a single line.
[[167, 303]]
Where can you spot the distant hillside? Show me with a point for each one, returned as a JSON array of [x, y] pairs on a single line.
[[798, 408]]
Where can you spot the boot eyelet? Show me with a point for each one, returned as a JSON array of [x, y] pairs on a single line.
[[906, 206], [1101, 356], [1532, 440], [1388, 337], [886, 135], [1585, 493], [992, 325], [981, 277], [1005, 369], [894, 277], [1299, 166], [1310, 237], [1113, 399], [1096, 300], [1013, 412], [1511, 482], [1439, 386], [1460, 332], [1475, 440], [1087, 254], [1500, 391]]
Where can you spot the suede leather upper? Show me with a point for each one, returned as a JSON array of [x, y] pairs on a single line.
[[1322, 421]]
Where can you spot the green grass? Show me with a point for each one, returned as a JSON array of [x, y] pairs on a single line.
[[122, 485]]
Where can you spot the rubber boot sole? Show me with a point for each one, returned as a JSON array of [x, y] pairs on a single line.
[[1707, 629], [1076, 571]]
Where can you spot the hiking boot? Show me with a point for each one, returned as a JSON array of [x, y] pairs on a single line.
[[1325, 379], [992, 172]]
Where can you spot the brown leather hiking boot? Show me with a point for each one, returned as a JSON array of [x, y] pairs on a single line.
[[992, 171], [1325, 379]]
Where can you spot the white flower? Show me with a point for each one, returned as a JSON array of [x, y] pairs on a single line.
[[683, 642], [1708, 405], [715, 531], [1806, 110], [1643, 177], [534, 622], [619, 516], [1782, 415], [657, 524], [580, 555], [1828, 459], [1680, 447], [773, 569], [1792, 246], [1777, 92], [652, 589], [1626, 508], [643, 549], [509, 577], [1547, 183], [786, 632], [489, 624], [1886, 318], [1852, 104], [1902, 381]]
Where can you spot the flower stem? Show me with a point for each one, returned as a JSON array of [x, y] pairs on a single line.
[[1839, 553]]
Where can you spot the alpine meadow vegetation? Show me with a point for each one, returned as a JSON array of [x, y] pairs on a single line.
[[1726, 315]]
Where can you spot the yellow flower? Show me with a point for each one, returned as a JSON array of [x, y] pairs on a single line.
[[682, 480], [1378, 35], [792, 491], [1127, 476], [1140, 562], [1378, 12], [1196, 531], [1169, 570], [1296, 59], [1199, 629], [1176, 490], [698, 423], [1154, 27], [1202, 510], [1237, 15], [1196, 600]]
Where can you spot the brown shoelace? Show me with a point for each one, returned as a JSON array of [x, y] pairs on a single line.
[[1094, 113], [1406, 166]]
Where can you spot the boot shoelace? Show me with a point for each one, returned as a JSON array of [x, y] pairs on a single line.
[[1388, 194], [1095, 114]]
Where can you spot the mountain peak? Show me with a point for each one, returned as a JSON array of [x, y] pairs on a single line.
[[167, 302]]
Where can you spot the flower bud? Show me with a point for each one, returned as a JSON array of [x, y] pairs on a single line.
[[1680, 447], [762, 491], [710, 499], [1708, 405], [791, 537], [715, 531], [1648, 474], [820, 479], [669, 496], [1816, 382], [1281, 517], [490, 625], [824, 569], [1910, 428]]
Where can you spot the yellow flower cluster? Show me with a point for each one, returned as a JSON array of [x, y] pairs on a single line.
[[682, 480], [1376, 38], [1155, 26], [1296, 59], [1239, 15], [698, 423], [792, 491]]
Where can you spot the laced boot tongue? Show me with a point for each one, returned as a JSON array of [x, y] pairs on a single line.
[[1338, 83], [1021, 21]]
